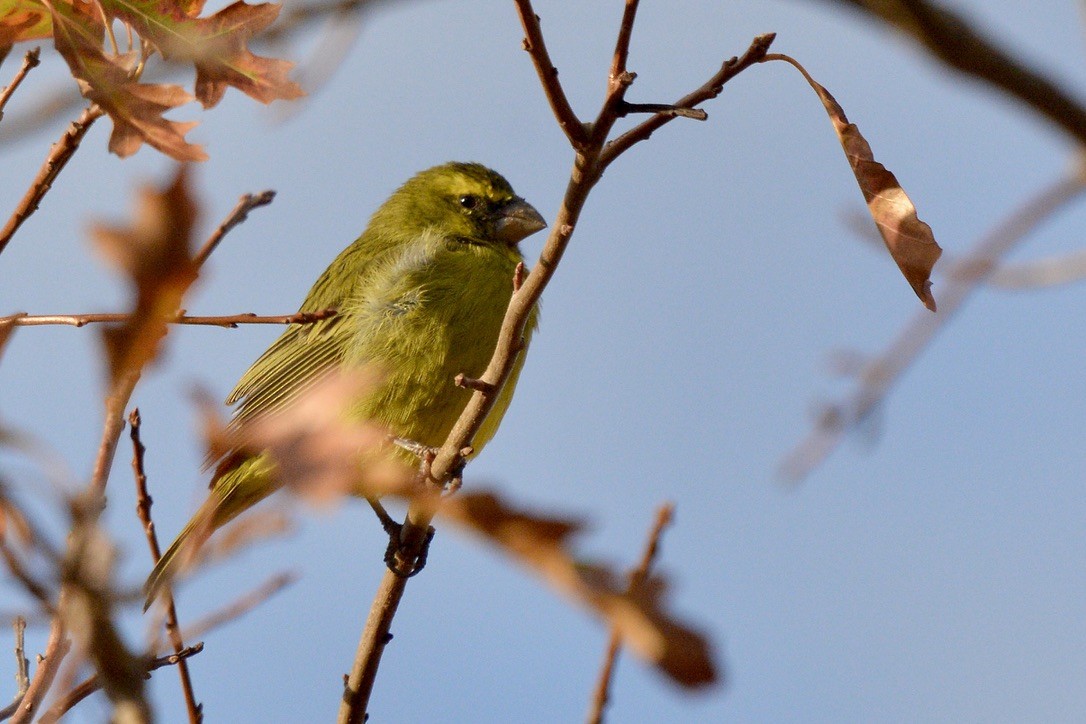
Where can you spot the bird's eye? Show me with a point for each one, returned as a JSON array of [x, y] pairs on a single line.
[[469, 201]]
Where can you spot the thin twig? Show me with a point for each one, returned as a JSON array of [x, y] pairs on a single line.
[[878, 376], [58, 157], [961, 45], [93, 683], [22, 668], [143, 510], [237, 215], [593, 154], [180, 317], [709, 90], [548, 76], [30, 60], [56, 648], [637, 578]]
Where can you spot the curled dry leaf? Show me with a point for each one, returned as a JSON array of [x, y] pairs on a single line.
[[154, 252], [542, 544], [909, 240]]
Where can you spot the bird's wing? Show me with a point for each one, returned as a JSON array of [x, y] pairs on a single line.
[[299, 358], [305, 353]]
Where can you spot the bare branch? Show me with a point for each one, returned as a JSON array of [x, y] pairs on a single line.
[[237, 215], [708, 90], [548, 76], [143, 510], [30, 60], [56, 648], [94, 683], [953, 40], [59, 155], [22, 669], [180, 317]]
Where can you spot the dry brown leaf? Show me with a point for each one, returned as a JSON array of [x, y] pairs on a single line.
[[321, 454], [135, 108], [216, 45], [542, 544], [22, 20], [909, 240], [155, 254]]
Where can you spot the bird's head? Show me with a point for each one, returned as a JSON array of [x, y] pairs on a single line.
[[467, 202]]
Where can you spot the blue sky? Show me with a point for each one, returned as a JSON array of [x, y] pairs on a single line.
[[929, 570]]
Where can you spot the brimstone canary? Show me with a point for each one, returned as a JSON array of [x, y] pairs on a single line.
[[421, 294]]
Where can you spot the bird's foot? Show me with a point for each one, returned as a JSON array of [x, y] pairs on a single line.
[[426, 455], [398, 555]]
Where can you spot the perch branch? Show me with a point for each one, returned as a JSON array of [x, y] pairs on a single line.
[[592, 155]]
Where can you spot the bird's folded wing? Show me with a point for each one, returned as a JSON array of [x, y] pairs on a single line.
[[294, 362]]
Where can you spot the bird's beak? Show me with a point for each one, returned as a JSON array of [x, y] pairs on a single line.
[[517, 220]]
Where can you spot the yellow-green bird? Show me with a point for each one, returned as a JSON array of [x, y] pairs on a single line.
[[421, 295]]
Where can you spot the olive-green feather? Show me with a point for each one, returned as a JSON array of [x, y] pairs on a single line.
[[421, 296]]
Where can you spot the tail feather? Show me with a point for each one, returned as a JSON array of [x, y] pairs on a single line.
[[181, 552], [235, 491]]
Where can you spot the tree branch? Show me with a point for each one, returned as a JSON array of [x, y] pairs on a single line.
[[94, 683], [548, 76], [30, 60], [237, 215], [22, 669], [59, 155], [56, 648], [592, 155], [143, 510], [180, 317]]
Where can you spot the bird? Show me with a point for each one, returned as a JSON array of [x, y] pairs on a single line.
[[421, 294]]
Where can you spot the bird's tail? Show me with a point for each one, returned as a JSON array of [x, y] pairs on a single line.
[[238, 485], [182, 552]]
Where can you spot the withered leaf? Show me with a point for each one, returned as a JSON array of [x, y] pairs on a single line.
[[909, 240], [320, 452], [22, 20], [136, 109], [215, 45], [542, 544], [154, 252]]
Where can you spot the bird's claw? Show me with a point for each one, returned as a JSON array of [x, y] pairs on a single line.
[[400, 564], [426, 455]]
